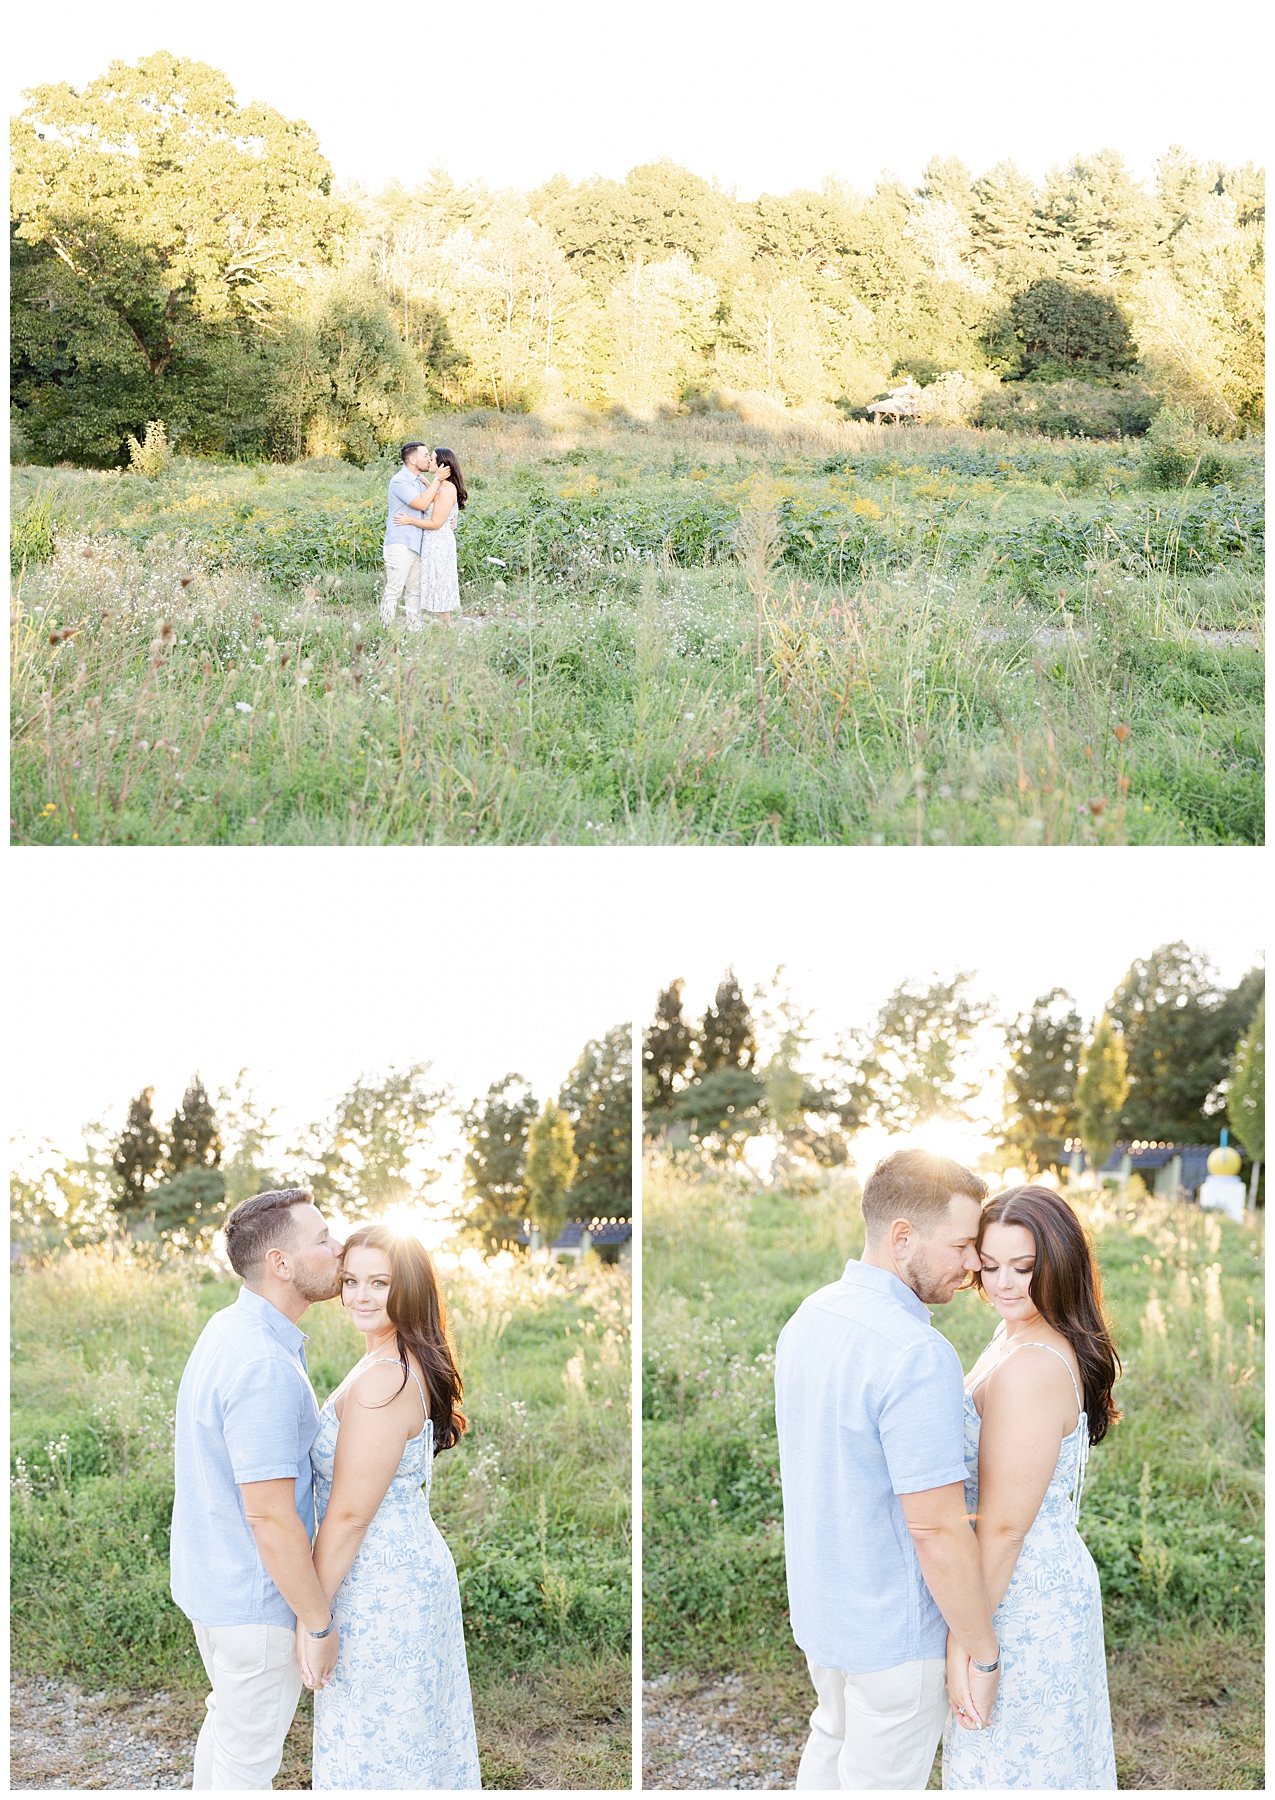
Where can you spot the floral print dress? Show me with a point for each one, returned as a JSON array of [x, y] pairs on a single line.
[[1052, 1720], [397, 1711]]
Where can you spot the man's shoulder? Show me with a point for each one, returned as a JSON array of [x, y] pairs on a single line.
[[236, 1337], [842, 1310]]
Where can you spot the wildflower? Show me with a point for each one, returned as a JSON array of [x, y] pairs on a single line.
[[1122, 732], [1096, 807], [242, 706]]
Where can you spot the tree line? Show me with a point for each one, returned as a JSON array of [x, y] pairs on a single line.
[[1172, 1058], [180, 256], [174, 1183]]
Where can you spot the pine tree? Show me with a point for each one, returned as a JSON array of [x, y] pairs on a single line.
[[138, 1154], [597, 1097], [668, 1049], [1100, 1091], [195, 1134], [495, 1171], [726, 1039], [1040, 1084], [551, 1169]]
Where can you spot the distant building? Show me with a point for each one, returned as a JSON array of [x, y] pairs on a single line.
[[899, 404], [1173, 1171], [611, 1239]]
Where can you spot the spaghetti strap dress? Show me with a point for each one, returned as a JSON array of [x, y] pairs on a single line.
[[397, 1711], [1052, 1720], [440, 581]]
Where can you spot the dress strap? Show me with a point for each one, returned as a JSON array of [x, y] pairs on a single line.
[[1033, 1346], [1082, 1462], [399, 1364]]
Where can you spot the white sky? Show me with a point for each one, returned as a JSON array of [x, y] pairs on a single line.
[[762, 98], [310, 967]]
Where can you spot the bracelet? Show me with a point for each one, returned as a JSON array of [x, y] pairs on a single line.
[[987, 1668], [327, 1631]]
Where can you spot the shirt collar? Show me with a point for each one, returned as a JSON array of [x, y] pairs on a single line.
[[261, 1309], [880, 1281]]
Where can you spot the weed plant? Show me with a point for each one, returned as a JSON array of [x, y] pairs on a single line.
[[957, 637], [533, 1503]]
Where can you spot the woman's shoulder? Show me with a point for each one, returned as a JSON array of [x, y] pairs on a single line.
[[379, 1383], [1038, 1365]]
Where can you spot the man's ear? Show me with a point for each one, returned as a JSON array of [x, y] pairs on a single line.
[[277, 1263]]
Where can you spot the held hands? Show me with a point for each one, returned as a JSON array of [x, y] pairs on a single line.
[[973, 1696], [317, 1656]]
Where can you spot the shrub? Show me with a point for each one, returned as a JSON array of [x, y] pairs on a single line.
[[1069, 408], [31, 535], [1176, 453], [150, 458]]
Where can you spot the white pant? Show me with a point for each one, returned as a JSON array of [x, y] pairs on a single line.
[[402, 581], [256, 1683], [875, 1731]]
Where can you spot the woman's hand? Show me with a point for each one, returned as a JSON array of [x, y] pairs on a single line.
[[307, 1674], [443, 474], [405, 519], [958, 1687]]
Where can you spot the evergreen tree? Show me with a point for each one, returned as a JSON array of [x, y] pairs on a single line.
[[1065, 328], [1179, 1029], [1040, 1084], [1100, 1091], [726, 1038], [495, 1172], [138, 1154], [551, 1170], [194, 1138], [188, 1208], [668, 1049], [597, 1097]]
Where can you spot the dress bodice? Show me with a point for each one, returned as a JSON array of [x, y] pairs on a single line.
[[408, 1492]]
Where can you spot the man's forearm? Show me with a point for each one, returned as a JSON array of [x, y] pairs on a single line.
[[285, 1550], [950, 1563]]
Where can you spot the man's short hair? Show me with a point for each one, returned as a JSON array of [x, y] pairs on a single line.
[[916, 1185], [260, 1224], [406, 451]]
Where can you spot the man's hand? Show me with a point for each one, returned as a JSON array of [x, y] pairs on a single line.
[[317, 1656], [983, 1691], [958, 1687]]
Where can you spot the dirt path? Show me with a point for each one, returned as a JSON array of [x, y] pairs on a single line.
[[61, 1737]]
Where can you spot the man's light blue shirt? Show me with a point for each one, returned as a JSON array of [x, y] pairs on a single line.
[[405, 485], [869, 1405], [245, 1412]]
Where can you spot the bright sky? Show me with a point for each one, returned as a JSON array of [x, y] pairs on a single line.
[[764, 99], [310, 967]]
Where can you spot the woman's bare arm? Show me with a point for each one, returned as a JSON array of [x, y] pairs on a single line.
[[1028, 1409], [444, 498], [378, 1416]]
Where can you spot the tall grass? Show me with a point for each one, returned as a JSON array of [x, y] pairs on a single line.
[[1172, 1509], [953, 637], [534, 1502]]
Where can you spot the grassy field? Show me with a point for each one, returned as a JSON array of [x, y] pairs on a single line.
[[1173, 1503], [534, 1503], [697, 630]]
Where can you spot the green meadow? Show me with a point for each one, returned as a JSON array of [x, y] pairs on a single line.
[[686, 630], [1172, 1511], [534, 1503]]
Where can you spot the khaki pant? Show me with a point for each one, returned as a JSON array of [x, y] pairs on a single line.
[[402, 582], [256, 1683], [875, 1731]]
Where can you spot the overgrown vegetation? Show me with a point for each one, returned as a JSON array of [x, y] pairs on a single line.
[[964, 637], [1173, 1502], [534, 1502]]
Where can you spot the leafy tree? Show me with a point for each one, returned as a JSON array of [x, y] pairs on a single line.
[[1179, 1029], [726, 1039], [668, 1049], [138, 1154], [495, 1173], [911, 1063], [194, 1138], [597, 1097], [551, 1170], [1246, 1091], [372, 1153], [719, 1110], [161, 228], [1100, 1091], [187, 1208], [1040, 1084], [1068, 329], [246, 1166]]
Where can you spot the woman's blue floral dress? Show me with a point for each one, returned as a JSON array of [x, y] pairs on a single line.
[[397, 1711], [1052, 1721]]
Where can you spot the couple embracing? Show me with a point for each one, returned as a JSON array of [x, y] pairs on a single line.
[[427, 494], [366, 1613], [914, 1625]]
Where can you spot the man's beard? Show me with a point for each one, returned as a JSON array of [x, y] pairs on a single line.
[[311, 1288], [929, 1288]]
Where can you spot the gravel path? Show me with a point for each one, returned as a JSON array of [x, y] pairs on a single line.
[[61, 1737], [722, 1732]]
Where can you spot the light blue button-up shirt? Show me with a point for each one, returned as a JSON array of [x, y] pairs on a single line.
[[245, 1412], [404, 487], [868, 1401]]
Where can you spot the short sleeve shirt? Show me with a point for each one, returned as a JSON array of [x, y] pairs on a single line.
[[404, 487], [245, 1412], [869, 1405]]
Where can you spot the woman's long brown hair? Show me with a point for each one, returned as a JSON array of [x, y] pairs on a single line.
[[458, 480], [416, 1310], [1066, 1290]]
